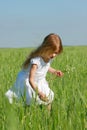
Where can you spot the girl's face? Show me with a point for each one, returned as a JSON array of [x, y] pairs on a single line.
[[53, 55]]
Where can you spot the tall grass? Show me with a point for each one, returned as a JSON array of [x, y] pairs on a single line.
[[69, 108]]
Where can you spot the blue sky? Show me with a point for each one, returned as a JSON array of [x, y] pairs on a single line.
[[24, 23]]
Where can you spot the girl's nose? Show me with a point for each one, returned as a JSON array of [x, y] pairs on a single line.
[[54, 55]]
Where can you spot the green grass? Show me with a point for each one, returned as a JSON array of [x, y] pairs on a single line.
[[69, 108]]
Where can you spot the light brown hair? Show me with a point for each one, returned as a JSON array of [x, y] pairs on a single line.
[[50, 44]]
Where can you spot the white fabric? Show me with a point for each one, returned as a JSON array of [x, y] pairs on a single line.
[[22, 85]]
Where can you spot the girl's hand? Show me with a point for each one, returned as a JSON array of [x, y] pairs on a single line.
[[43, 97], [59, 73]]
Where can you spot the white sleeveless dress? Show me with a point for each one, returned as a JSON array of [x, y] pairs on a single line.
[[22, 86]]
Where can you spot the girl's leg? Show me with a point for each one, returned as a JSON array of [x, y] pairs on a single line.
[[49, 107]]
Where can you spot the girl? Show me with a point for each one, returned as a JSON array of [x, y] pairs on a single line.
[[32, 77]]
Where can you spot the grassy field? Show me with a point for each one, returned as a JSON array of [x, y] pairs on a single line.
[[69, 108]]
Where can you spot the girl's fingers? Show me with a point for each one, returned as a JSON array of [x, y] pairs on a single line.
[[59, 73], [43, 98]]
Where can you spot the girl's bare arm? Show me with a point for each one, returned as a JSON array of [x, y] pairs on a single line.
[[32, 83], [51, 70], [56, 72]]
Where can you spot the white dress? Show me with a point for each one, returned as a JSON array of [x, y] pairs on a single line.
[[22, 86]]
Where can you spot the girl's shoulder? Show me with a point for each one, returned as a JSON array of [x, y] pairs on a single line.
[[39, 61], [36, 60]]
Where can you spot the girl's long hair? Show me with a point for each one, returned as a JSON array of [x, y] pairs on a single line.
[[50, 44]]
